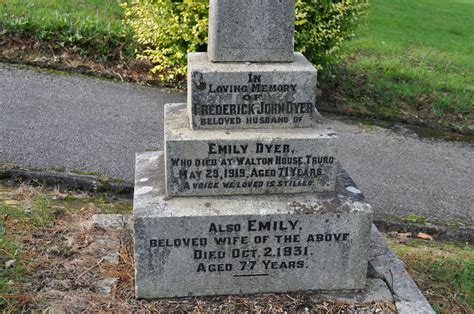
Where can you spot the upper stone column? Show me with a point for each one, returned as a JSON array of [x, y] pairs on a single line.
[[251, 30]]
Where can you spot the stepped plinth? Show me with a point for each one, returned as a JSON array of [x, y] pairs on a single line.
[[247, 195]]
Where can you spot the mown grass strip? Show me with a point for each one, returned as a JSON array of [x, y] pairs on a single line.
[[444, 272], [92, 27], [412, 59]]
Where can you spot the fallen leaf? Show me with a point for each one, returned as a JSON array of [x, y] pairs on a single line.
[[424, 236]]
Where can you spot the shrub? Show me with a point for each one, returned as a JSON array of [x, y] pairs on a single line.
[[322, 26], [169, 29]]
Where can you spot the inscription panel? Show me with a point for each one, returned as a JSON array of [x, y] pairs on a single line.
[[221, 162], [250, 167], [249, 96], [248, 254]]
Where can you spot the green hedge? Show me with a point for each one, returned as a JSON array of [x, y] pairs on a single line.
[[169, 29]]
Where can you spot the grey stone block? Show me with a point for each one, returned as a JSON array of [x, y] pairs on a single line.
[[375, 290], [219, 162], [107, 248], [108, 221], [245, 244], [251, 30], [414, 307], [106, 285], [408, 298], [251, 95]]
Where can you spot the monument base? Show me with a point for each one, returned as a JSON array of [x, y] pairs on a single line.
[[246, 244]]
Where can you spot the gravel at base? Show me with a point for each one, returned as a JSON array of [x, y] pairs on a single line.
[[85, 124]]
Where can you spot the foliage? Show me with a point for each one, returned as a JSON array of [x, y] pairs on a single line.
[[33, 223], [443, 271], [12, 278], [93, 28], [170, 29], [322, 26]]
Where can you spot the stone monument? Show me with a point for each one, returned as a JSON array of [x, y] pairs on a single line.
[[247, 196]]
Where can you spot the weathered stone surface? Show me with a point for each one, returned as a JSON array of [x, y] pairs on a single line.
[[219, 162], [268, 243], [107, 248], [106, 285], [375, 290], [414, 307], [251, 30], [251, 95], [408, 298], [108, 221]]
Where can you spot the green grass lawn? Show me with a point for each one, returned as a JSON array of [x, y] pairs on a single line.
[[94, 27], [411, 58], [48, 10], [444, 271]]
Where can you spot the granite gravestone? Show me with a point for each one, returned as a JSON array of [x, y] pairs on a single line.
[[247, 196], [255, 31]]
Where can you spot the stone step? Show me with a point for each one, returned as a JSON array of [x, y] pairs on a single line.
[[190, 246], [251, 95], [236, 162]]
